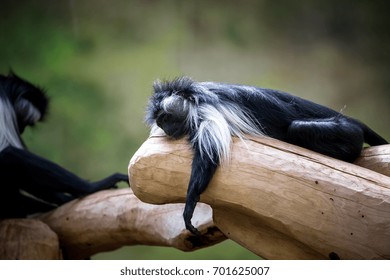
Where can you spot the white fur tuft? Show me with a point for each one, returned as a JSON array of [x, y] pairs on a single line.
[[240, 122], [29, 112], [213, 135], [155, 130], [9, 133], [219, 123]]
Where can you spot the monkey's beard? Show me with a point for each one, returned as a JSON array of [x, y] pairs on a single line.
[[9, 132], [158, 131]]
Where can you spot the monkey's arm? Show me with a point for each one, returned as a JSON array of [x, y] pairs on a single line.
[[47, 180], [202, 171], [110, 181]]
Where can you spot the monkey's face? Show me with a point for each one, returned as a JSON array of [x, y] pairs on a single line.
[[171, 115], [172, 125], [27, 101], [174, 107]]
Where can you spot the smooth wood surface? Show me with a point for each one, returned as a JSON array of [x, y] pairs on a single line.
[[101, 222], [376, 159], [28, 239], [278, 200], [110, 219]]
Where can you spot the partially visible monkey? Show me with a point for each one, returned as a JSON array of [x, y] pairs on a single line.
[[209, 114], [29, 183]]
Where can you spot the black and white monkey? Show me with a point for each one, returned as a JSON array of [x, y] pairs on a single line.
[[209, 114], [29, 183]]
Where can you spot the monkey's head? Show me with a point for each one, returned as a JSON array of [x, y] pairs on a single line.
[[28, 102], [176, 106], [173, 107]]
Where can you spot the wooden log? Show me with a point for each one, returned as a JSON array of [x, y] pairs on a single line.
[[28, 239], [110, 219], [376, 158], [278, 200]]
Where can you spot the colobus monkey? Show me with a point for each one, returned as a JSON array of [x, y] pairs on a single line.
[[29, 183], [209, 114]]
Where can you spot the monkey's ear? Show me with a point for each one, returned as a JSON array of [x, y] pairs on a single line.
[[37, 99], [27, 101], [27, 113], [30, 101]]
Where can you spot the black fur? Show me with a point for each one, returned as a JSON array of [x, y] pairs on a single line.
[[29, 183], [184, 107]]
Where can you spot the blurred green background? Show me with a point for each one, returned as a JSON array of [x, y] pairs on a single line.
[[98, 60]]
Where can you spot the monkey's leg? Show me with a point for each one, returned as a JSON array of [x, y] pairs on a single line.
[[336, 137]]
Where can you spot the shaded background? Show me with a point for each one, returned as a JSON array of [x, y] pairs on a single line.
[[98, 60]]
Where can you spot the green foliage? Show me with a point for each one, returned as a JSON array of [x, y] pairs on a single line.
[[215, 252]]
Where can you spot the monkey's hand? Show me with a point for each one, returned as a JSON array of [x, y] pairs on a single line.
[[187, 215], [121, 178], [192, 229], [110, 182]]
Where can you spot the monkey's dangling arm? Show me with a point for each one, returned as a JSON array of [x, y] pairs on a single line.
[[203, 169], [43, 177]]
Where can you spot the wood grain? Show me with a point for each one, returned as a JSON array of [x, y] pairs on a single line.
[[278, 200], [28, 239], [110, 219]]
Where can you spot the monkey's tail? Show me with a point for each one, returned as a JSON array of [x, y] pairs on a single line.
[[372, 138]]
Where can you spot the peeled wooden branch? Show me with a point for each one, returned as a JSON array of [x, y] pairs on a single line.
[[278, 200], [376, 158], [27, 239], [110, 219], [104, 221]]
